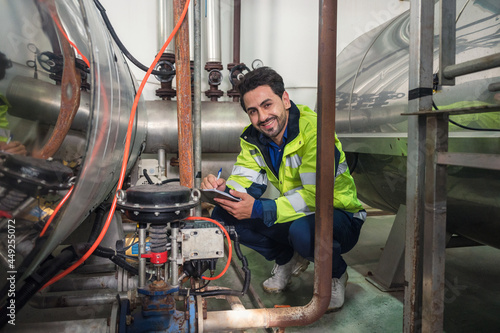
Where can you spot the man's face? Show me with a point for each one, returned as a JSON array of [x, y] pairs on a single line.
[[268, 112]]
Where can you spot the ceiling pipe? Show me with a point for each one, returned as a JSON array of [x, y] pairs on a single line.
[[214, 64], [236, 49], [165, 17], [183, 80], [165, 25], [304, 315]]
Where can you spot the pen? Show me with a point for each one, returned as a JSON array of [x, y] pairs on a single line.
[[9, 139], [218, 173]]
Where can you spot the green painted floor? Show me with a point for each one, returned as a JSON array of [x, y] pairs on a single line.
[[472, 289]]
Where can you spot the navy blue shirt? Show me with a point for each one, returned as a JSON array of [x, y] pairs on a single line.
[[276, 155]]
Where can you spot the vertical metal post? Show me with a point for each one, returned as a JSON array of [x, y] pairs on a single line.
[[162, 155], [447, 39], [434, 242], [197, 99], [183, 81], [142, 250], [174, 253], [420, 99]]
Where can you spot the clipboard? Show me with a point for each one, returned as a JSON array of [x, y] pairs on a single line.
[[208, 195]]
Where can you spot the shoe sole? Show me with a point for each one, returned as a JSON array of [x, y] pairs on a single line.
[[334, 309], [276, 291]]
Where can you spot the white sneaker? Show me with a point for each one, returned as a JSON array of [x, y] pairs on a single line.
[[338, 293], [281, 274]]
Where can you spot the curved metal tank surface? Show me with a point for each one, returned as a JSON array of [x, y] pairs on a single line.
[[372, 93], [95, 142]]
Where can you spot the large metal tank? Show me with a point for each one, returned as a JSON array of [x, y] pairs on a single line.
[[33, 43], [372, 93]]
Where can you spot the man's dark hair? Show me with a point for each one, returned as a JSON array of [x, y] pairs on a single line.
[[262, 76]]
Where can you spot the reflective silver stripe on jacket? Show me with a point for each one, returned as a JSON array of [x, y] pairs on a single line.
[[342, 168], [252, 175], [293, 161], [258, 158], [236, 186], [308, 178], [4, 132], [292, 191], [298, 203], [360, 215]]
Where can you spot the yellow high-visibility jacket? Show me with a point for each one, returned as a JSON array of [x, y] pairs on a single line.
[[4, 123], [296, 180]]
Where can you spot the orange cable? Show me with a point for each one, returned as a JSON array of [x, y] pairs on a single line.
[[56, 20], [230, 247], [125, 156], [59, 206]]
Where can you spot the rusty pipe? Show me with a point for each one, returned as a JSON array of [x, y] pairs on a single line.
[[70, 92], [183, 80], [304, 315]]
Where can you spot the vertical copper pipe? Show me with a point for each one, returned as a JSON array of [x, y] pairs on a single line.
[[325, 175], [304, 315], [183, 80]]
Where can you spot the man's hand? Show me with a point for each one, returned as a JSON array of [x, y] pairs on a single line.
[[211, 181], [241, 209], [13, 147]]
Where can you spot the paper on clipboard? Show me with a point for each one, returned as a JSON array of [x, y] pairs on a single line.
[[208, 195]]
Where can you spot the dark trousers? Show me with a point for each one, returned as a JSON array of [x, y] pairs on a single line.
[[279, 241]]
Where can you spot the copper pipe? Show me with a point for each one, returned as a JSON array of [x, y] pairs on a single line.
[[304, 315], [70, 92], [184, 112]]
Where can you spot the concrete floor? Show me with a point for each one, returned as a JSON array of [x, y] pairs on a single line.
[[472, 294], [472, 290]]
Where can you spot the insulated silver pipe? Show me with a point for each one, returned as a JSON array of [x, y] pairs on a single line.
[[165, 24], [220, 123], [213, 31], [26, 94], [84, 282], [221, 126], [58, 300]]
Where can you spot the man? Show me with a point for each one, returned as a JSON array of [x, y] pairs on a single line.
[[280, 147]]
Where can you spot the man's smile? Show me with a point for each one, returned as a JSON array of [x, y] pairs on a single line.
[[268, 123]]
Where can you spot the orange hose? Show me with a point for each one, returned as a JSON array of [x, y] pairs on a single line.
[[59, 205], [230, 247], [125, 156], [56, 20]]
